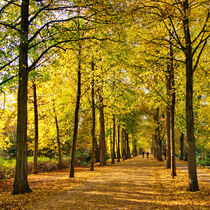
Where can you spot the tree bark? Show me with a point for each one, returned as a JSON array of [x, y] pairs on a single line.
[[58, 142], [102, 143], [97, 152], [134, 147], [192, 170], [167, 117], [113, 142], [21, 181], [181, 155], [123, 144], [157, 138], [168, 143], [35, 166], [127, 145], [118, 144], [172, 113], [93, 122], [76, 116]]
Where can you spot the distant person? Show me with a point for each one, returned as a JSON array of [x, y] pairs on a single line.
[[147, 154], [164, 155], [143, 154]]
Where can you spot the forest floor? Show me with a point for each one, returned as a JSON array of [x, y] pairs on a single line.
[[136, 183]]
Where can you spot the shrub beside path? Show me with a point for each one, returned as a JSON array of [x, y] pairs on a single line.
[[136, 183]]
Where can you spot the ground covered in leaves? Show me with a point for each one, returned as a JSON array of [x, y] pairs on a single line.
[[132, 184]]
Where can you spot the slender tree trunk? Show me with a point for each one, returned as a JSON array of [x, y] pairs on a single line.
[[172, 113], [111, 146], [102, 143], [35, 166], [76, 117], [167, 117], [113, 142], [58, 142], [181, 156], [192, 170], [160, 154], [157, 138], [21, 181], [93, 122], [118, 144]]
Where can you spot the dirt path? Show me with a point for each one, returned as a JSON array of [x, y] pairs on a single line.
[[134, 184]]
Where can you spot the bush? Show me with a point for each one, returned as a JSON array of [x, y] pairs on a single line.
[[7, 167], [204, 162]]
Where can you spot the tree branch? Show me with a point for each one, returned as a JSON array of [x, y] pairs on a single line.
[[199, 55]]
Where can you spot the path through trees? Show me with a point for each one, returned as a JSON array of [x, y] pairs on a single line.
[[136, 183]]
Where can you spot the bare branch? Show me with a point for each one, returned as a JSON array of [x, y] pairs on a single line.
[[10, 78], [202, 30], [7, 64], [199, 55]]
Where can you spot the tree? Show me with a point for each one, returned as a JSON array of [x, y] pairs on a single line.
[[35, 166]]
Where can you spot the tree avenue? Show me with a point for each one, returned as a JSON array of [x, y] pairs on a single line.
[[95, 81]]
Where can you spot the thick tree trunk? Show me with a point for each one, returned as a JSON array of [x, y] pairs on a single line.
[[97, 152], [123, 144], [192, 170], [102, 143], [93, 122], [118, 144], [172, 113], [154, 146], [134, 147], [35, 166], [181, 155], [76, 117], [58, 142], [21, 181], [127, 145]]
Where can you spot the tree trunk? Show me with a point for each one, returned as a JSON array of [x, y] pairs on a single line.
[[118, 144], [111, 145], [21, 181], [181, 156], [123, 144], [154, 146], [102, 143], [134, 147], [93, 122], [172, 112], [159, 141], [167, 117], [35, 166], [127, 146], [157, 138], [113, 142], [58, 143], [97, 152], [192, 170], [76, 117]]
